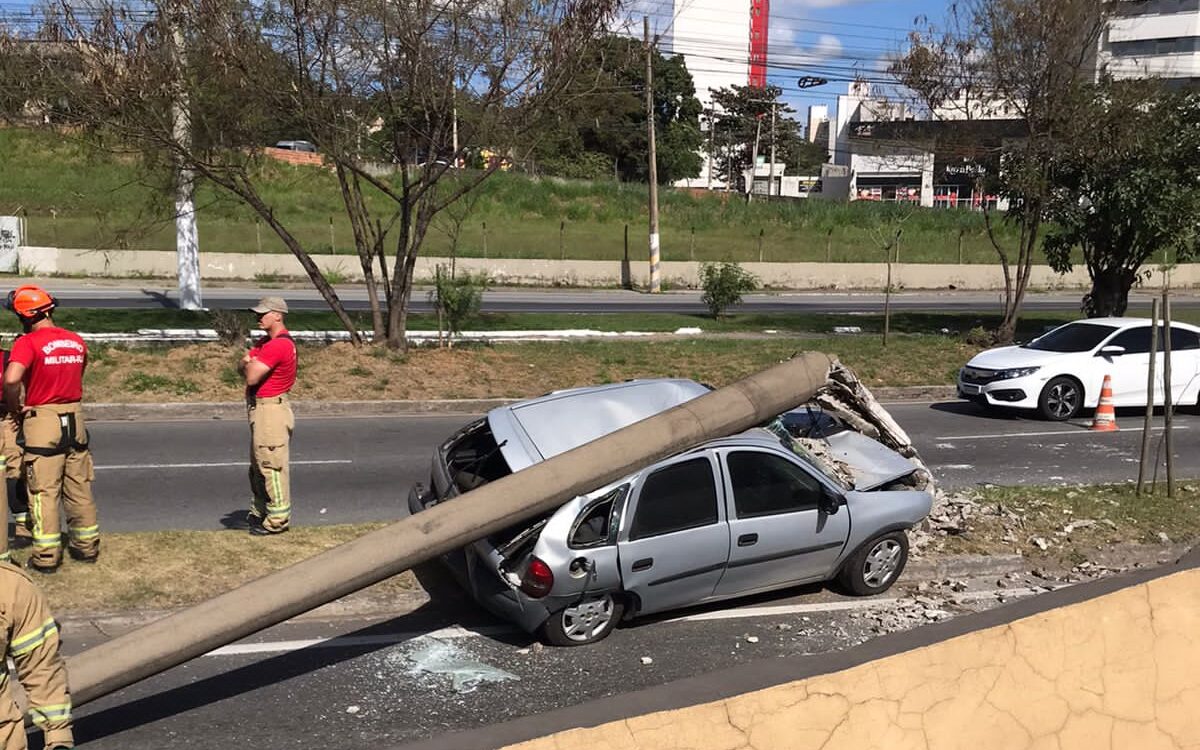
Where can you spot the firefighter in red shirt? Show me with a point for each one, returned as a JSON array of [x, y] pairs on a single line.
[[49, 361], [270, 372]]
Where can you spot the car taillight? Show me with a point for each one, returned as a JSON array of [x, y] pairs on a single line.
[[538, 579]]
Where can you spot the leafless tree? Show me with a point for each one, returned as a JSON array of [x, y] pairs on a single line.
[[394, 94], [1026, 60]]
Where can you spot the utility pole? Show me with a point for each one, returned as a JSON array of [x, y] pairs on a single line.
[[712, 126], [754, 161], [655, 273], [771, 177], [187, 240]]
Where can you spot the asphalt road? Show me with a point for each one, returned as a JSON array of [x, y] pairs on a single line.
[[380, 683], [192, 474], [133, 296]]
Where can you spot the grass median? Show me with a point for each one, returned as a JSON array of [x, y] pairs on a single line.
[[166, 569]]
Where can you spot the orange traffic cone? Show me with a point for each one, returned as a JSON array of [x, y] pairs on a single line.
[[1106, 417]]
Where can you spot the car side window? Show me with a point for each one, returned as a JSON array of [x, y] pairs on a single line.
[[678, 497], [765, 485], [1135, 340], [1183, 339], [596, 523]]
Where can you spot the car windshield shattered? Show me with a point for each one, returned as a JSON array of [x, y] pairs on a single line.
[[777, 428], [1072, 338]]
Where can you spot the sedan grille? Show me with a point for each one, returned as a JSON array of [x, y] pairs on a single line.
[[976, 376]]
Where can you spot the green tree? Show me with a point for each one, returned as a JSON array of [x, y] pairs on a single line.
[[600, 126], [1126, 188], [744, 116], [1023, 60], [724, 284]]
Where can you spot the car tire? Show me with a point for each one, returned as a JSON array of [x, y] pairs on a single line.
[[586, 621], [876, 565], [1061, 399]]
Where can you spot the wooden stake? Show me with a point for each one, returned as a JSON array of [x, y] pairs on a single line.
[[1167, 405], [1148, 423]]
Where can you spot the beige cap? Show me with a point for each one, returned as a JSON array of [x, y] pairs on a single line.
[[270, 304]]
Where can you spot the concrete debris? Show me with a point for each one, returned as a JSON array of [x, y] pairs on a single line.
[[783, 626], [1039, 542], [751, 639], [1164, 538], [352, 709], [646, 660]]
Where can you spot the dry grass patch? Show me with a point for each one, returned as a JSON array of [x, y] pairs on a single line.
[[1075, 522], [165, 569], [206, 372]]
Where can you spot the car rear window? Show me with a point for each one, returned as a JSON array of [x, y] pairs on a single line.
[[1073, 337]]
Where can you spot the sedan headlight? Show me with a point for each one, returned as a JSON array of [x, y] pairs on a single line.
[[1015, 372]]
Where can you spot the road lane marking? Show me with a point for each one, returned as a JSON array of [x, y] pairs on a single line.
[[458, 631], [1080, 431], [217, 464]]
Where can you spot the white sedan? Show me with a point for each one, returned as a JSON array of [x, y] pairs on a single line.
[[1061, 372]]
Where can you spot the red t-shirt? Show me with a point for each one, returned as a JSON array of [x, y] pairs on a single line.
[[279, 354], [54, 359]]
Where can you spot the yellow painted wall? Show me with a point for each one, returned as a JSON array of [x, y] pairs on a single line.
[[1121, 671]]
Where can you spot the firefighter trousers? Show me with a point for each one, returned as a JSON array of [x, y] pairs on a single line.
[[58, 463], [271, 425], [12, 460]]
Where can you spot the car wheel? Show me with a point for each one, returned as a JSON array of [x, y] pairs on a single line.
[[1061, 399], [585, 621], [876, 565]]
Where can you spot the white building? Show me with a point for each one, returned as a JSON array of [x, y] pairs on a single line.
[[1159, 38]]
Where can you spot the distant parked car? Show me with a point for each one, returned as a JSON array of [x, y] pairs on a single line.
[[741, 515], [297, 146], [1061, 372]]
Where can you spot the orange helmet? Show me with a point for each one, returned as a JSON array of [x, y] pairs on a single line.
[[30, 301]]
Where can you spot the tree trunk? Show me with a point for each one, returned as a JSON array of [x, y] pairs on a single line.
[[1109, 296]]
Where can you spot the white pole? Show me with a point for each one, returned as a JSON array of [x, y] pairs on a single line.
[[187, 239]]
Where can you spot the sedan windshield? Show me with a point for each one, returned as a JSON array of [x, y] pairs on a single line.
[[1073, 337]]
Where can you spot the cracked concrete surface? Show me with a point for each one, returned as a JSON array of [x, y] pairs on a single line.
[[1119, 671]]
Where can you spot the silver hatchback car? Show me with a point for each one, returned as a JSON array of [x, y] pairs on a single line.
[[742, 515]]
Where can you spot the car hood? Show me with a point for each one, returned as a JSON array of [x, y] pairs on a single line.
[[1012, 356], [533, 431], [871, 463]]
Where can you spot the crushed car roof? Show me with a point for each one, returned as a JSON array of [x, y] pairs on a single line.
[[538, 429]]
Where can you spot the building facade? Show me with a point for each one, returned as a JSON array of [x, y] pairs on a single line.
[[1153, 38]]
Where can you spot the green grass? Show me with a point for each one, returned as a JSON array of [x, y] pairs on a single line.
[[915, 322], [75, 196], [1117, 513]]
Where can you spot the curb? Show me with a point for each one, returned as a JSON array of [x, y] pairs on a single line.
[[237, 410]]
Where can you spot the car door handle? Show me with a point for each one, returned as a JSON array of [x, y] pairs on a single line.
[[747, 540], [644, 564]]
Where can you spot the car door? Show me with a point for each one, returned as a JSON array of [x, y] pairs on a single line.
[[674, 540], [779, 534], [1185, 366], [1129, 370]]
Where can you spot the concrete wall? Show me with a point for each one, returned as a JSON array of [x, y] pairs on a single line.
[[1121, 671], [48, 261]]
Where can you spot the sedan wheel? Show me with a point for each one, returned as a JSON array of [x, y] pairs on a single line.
[[876, 565], [585, 621], [1061, 399]]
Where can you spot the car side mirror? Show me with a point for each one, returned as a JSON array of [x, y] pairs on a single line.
[[1110, 351], [830, 502]]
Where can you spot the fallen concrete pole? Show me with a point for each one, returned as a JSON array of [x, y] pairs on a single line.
[[384, 553]]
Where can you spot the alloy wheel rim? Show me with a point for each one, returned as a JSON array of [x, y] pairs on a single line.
[[882, 562], [1062, 400], [584, 620]]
